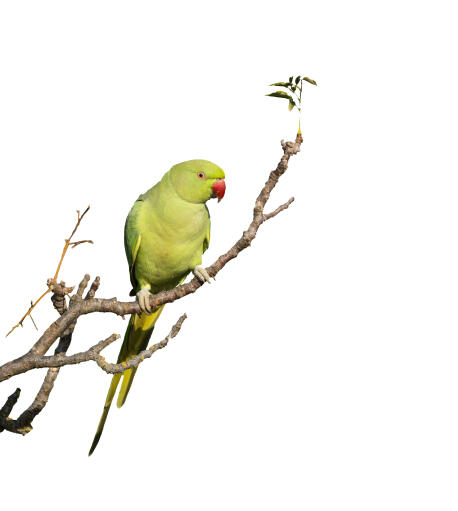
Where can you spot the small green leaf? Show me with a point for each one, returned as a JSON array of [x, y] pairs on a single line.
[[309, 80], [290, 79], [298, 79], [293, 88], [280, 94], [291, 105], [280, 84]]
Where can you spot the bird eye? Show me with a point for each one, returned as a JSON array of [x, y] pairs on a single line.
[[201, 175]]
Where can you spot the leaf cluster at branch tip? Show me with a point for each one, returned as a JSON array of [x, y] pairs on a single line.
[[294, 87]]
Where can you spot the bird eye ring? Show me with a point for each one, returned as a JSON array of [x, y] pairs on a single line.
[[201, 175]]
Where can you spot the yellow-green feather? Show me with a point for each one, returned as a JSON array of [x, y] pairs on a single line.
[[106, 409], [140, 333]]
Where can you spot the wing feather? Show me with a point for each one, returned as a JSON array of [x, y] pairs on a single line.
[[132, 241]]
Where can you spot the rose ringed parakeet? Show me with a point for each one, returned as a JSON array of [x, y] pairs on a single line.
[[165, 235]]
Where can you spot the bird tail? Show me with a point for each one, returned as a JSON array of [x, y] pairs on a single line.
[[136, 339]]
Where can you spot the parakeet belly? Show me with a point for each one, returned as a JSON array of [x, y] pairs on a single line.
[[170, 250]]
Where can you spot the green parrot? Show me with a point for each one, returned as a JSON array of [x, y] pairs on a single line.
[[165, 235]]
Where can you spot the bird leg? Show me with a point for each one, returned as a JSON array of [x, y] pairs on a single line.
[[202, 274], [143, 298]]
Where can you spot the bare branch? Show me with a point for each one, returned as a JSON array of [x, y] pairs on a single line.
[[79, 307], [135, 361], [30, 315], [23, 424], [74, 244], [6, 409], [82, 286], [93, 354], [6, 423], [281, 208], [93, 289], [29, 310]]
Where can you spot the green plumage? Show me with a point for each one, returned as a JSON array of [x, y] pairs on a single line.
[[165, 235]]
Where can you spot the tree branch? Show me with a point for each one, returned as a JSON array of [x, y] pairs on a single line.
[[63, 327], [94, 354], [23, 424]]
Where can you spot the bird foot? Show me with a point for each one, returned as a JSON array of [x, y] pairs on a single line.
[[143, 298], [201, 274]]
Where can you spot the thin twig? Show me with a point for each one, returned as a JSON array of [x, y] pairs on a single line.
[[281, 208], [29, 310], [56, 274], [34, 324], [67, 241], [74, 244]]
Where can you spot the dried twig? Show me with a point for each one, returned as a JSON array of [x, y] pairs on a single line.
[[68, 243], [31, 317]]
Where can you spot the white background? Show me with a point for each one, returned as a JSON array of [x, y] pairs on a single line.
[[319, 372]]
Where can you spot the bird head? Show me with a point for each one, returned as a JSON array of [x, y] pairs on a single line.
[[198, 180]]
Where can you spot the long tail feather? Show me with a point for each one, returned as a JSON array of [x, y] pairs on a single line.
[[111, 392], [136, 339], [141, 329], [127, 380]]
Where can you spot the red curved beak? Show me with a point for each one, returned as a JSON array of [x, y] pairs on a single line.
[[219, 188]]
